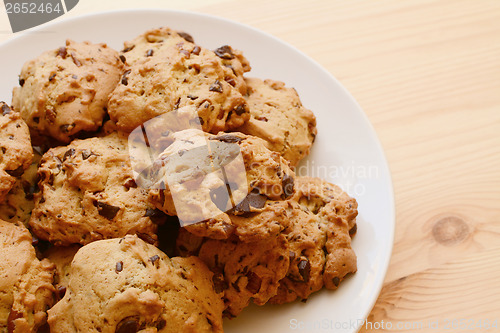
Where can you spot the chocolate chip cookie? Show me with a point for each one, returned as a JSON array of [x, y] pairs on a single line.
[[26, 290], [218, 179], [166, 71], [278, 116], [243, 271], [61, 257], [127, 285], [65, 91], [318, 238], [19, 203], [88, 193]]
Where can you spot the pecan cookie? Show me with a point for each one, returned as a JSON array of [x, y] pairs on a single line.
[[243, 271], [127, 285], [319, 240], [221, 181], [15, 148], [278, 116], [65, 91], [168, 71], [26, 290], [87, 193]]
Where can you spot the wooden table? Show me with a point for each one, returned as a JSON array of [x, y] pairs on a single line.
[[427, 74]]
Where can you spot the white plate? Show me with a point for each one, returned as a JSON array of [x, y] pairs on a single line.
[[346, 150]]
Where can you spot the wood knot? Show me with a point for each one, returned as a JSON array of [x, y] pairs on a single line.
[[450, 230]]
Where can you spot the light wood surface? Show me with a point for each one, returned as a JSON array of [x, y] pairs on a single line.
[[427, 74]]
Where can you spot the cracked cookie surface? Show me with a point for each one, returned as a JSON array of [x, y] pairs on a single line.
[[127, 285], [65, 91]]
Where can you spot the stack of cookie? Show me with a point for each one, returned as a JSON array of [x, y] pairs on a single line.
[[95, 240]]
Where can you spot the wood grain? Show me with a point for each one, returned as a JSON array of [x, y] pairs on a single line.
[[427, 74]]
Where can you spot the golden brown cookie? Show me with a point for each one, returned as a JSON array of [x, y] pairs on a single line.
[[127, 285], [318, 238], [216, 179], [168, 71], [243, 271], [15, 148], [26, 290], [87, 193], [19, 202], [65, 91], [278, 116]]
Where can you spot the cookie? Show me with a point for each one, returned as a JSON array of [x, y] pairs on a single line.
[[87, 193], [127, 285], [15, 148], [25, 282], [167, 71], [214, 179], [243, 271], [278, 116], [61, 257], [318, 238], [19, 202], [65, 91]]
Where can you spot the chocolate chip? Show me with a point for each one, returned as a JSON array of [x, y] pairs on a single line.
[[11, 325], [70, 152], [5, 109], [125, 50], [119, 266], [17, 172], [304, 267], [336, 281], [124, 77], [220, 197], [186, 36], [21, 82], [230, 80], [51, 77], [62, 52], [240, 109], [253, 200], [75, 60], [147, 238], [254, 282], [122, 58], [106, 210], [181, 152], [261, 118], [353, 230], [156, 216], [288, 186], [130, 183], [225, 52], [191, 97], [36, 119], [227, 138], [161, 324], [61, 291], [149, 53], [128, 325], [154, 258], [216, 87], [196, 50]]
